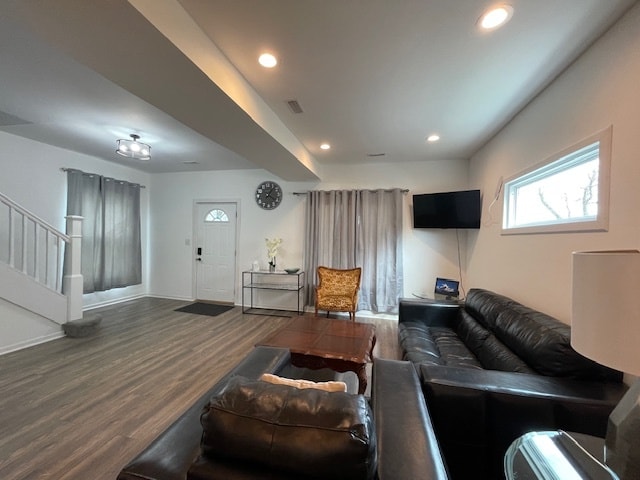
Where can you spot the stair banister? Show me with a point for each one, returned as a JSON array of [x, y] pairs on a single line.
[[73, 281]]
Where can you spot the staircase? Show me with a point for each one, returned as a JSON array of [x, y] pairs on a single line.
[[32, 254]]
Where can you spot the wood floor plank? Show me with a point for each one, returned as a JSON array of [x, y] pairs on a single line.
[[81, 408]]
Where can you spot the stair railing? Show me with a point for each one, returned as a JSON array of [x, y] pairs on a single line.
[[32, 246]]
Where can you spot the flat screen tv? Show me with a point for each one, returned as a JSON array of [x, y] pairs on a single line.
[[447, 210]]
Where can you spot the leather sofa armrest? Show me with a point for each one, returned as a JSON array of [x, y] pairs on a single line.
[[478, 413], [429, 312], [171, 454], [407, 446], [600, 396]]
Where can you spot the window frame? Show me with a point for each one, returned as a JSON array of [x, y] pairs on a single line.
[[216, 219], [598, 224]]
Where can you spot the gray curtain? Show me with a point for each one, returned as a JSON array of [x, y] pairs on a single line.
[[379, 249], [357, 228], [330, 233], [111, 247]]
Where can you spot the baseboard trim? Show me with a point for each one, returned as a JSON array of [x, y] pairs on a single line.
[[114, 301], [359, 314], [172, 297], [134, 297], [31, 342]]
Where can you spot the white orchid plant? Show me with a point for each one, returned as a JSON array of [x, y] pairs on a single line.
[[272, 249]]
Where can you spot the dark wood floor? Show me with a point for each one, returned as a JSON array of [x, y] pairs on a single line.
[[82, 408]]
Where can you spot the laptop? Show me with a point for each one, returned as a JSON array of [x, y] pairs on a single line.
[[446, 289]]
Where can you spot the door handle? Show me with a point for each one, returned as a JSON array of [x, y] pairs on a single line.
[[198, 259]]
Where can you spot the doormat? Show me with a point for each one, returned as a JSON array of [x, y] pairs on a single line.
[[200, 308]]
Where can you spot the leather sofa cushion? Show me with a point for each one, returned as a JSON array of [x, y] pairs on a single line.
[[434, 346], [545, 344], [542, 342], [485, 306], [310, 433], [492, 353]]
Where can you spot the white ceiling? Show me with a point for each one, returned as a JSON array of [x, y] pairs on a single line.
[[372, 77]]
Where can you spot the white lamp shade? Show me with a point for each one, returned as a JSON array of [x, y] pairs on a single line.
[[605, 312]]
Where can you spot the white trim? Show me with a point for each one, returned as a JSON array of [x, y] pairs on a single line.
[[31, 342], [359, 314], [114, 301], [171, 297], [601, 222]]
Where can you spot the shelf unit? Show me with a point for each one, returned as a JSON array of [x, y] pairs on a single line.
[[276, 281]]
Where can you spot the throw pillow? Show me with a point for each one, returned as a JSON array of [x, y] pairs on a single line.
[[300, 383]]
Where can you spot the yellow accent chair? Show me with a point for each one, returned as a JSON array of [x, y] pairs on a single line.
[[337, 290]]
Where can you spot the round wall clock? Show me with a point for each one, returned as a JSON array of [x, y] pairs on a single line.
[[268, 195]]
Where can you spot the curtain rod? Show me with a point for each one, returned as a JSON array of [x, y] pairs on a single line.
[[65, 169], [405, 190]]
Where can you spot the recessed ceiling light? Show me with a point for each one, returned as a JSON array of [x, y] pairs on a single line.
[[325, 146], [267, 60], [433, 138], [495, 17]]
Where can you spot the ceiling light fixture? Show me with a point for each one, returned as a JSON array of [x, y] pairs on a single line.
[[267, 60], [325, 146], [133, 148], [433, 138], [495, 17]]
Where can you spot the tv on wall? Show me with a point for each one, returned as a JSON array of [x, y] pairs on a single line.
[[447, 210]]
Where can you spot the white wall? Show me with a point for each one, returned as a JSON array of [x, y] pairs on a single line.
[[426, 253], [31, 176], [172, 209], [20, 328], [598, 90]]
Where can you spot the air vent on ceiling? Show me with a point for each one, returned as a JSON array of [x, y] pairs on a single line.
[[191, 162], [294, 106], [382, 154]]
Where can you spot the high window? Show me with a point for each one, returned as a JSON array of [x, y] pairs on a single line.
[[567, 193]]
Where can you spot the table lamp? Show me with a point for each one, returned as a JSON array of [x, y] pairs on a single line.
[[605, 327]]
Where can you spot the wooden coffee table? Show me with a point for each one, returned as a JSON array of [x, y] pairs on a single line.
[[317, 342]]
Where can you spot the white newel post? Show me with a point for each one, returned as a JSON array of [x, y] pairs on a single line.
[[72, 281]]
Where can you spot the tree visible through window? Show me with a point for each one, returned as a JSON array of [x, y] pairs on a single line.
[[568, 193]]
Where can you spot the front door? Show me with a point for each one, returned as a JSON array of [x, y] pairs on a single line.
[[215, 251]]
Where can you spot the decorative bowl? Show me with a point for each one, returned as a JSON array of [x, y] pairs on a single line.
[[291, 271]]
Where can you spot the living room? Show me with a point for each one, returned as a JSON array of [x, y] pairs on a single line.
[[593, 93], [597, 91]]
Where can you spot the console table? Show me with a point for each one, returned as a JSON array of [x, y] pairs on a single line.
[[279, 280]]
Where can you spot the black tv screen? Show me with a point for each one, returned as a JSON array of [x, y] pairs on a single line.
[[447, 210]]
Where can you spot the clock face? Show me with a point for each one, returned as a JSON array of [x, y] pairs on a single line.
[[268, 195]]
